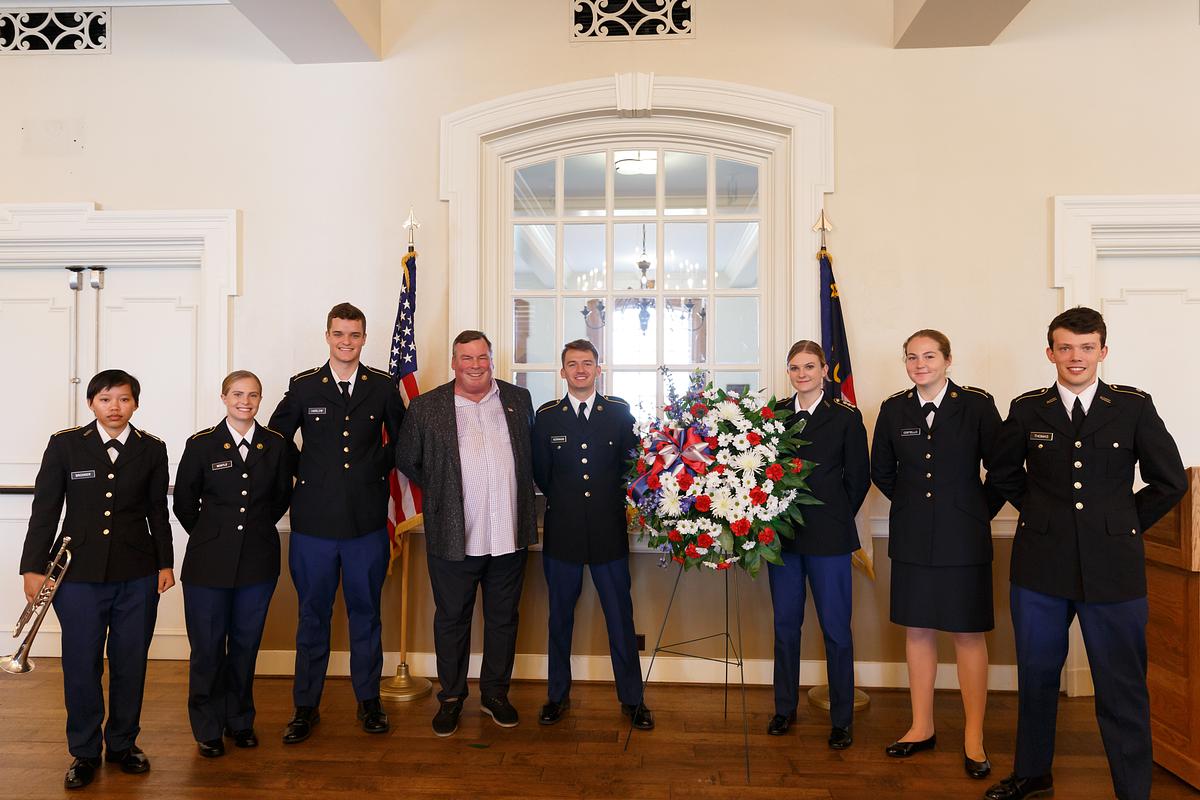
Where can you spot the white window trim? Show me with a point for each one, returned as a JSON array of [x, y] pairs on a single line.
[[795, 133]]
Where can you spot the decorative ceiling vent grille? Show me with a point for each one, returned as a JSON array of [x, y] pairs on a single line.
[[54, 30], [632, 19]]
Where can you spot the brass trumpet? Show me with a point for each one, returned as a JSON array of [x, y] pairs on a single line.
[[18, 663]]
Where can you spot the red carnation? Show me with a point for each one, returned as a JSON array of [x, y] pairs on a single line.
[[677, 559], [797, 465], [699, 409], [701, 469], [711, 441], [740, 527], [766, 413], [653, 482], [690, 551], [703, 504], [674, 535], [758, 496], [704, 540], [641, 466], [684, 480], [766, 536], [723, 565], [642, 521], [753, 438], [719, 469], [774, 472]]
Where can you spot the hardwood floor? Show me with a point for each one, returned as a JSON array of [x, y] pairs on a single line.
[[693, 754]]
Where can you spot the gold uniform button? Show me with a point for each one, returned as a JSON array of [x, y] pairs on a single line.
[[1133, 531], [316, 419], [587, 494], [1078, 485], [111, 476], [242, 510], [929, 494], [1116, 444], [345, 433], [348, 418], [244, 493], [345, 449], [928, 456], [1078, 464], [928, 474], [583, 446], [583, 461], [1079, 506], [108, 494], [108, 513], [1040, 446], [239, 527], [105, 531], [245, 474], [1079, 444], [586, 477], [345, 466]]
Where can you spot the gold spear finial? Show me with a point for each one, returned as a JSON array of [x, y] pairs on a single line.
[[411, 225]]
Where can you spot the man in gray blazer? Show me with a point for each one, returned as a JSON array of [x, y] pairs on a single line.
[[467, 443]]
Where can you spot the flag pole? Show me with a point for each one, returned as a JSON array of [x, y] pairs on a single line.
[[405, 686], [819, 695]]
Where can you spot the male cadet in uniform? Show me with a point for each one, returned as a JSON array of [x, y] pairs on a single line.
[[339, 514], [582, 446], [113, 478], [1065, 459]]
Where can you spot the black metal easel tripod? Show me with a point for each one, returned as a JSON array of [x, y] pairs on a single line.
[[736, 650]]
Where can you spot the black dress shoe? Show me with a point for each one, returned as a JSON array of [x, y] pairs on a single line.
[[977, 769], [643, 718], [906, 749], [372, 716], [779, 724], [500, 710], [840, 738], [300, 728], [214, 748], [133, 760], [243, 738], [552, 712], [1014, 788], [81, 772], [445, 721]]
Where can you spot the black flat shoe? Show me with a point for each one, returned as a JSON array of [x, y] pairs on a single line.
[[372, 716], [445, 721], [133, 760], [906, 749], [552, 712], [81, 772], [214, 748], [500, 710], [1014, 788], [643, 718], [977, 769], [244, 738], [301, 725], [840, 738], [779, 724]]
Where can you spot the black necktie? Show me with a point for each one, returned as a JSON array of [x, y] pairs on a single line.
[[583, 411], [1077, 416], [804, 415], [114, 444], [345, 387], [241, 452], [927, 409]]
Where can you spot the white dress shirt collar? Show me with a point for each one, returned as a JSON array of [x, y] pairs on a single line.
[[811, 408], [1085, 397], [590, 400], [237, 437], [337, 380]]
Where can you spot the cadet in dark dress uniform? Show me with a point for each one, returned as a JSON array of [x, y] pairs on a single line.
[[113, 479], [233, 485], [1066, 460], [820, 552], [928, 445], [582, 447], [339, 514]]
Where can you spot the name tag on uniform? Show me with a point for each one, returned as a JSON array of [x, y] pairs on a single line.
[[1039, 436], [85, 473], [558, 440], [320, 410], [222, 465], [910, 431]]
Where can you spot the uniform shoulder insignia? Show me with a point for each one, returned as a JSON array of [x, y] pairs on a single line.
[[897, 394], [306, 373], [65, 430], [844, 404], [976, 390], [147, 433], [1126, 390], [547, 406], [616, 400], [379, 371], [204, 432], [1027, 395], [272, 430]]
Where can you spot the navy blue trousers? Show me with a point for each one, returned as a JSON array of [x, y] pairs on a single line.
[[121, 613], [317, 565], [455, 586], [224, 627], [564, 580], [1114, 635], [829, 577]]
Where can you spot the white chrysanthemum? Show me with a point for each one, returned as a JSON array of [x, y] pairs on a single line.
[[668, 505], [728, 411], [725, 439], [669, 484], [723, 504], [710, 565], [747, 463], [702, 550], [742, 424], [748, 545], [740, 442]]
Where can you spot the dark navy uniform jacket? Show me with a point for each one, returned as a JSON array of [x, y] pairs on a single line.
[[941, 510], [229, 507], [342, 486], [1080, 531], [116, 512], [840, 480], [580, 468]]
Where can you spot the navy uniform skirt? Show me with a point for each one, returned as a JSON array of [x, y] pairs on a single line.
[[953, 599]]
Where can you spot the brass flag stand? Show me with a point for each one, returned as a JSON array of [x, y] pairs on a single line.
[[405, 686]]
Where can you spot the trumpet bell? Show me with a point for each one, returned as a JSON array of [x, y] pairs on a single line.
[[15, 665]]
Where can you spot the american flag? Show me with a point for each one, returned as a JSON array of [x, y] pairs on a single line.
[[404, 505]]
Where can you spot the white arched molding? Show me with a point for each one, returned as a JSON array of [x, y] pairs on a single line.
[[793, 134]]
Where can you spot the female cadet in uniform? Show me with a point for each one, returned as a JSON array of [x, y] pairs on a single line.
[[928, 445], [233, 485], [820, 551]]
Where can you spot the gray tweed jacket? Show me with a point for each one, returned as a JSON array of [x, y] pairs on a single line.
[[427, 452]]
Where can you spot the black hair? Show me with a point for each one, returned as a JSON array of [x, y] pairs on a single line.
[[110, 378]]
